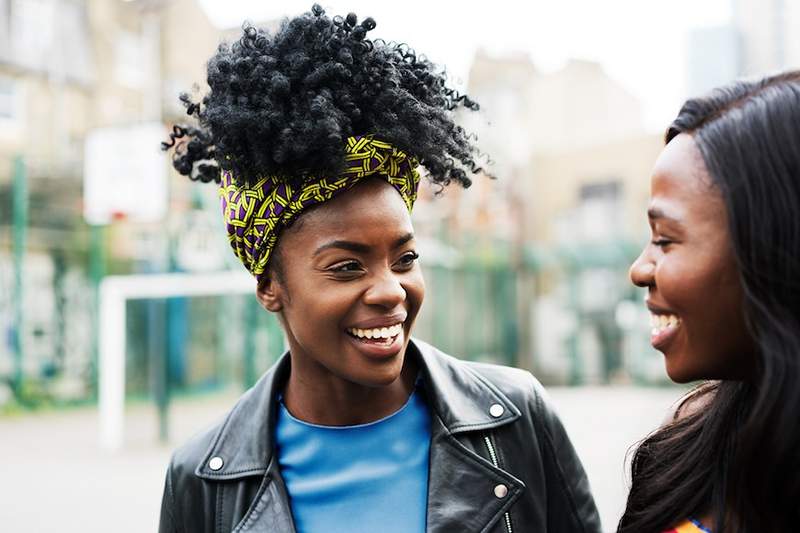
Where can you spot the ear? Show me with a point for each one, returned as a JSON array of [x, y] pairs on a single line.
[[270, 295]]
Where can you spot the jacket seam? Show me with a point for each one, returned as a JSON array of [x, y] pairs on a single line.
[[171, 493], [253, 510], [220, 507], [557, 462], [256, 468], [482, 425]]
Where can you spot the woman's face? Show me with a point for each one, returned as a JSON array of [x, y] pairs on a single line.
[[694, 291], [349, 287]]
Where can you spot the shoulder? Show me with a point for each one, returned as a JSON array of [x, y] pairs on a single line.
[[187, 457], [523, 389], [183, 489], [519, 386], [691, 403]]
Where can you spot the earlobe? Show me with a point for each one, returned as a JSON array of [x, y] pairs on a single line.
[[269, 295]]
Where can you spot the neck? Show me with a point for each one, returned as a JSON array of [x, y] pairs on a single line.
[[333, 401]]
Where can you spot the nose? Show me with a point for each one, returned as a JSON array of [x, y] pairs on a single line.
[[385, 291], [642, 271]]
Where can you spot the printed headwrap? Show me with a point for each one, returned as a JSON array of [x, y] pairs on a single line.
[[255, 215]]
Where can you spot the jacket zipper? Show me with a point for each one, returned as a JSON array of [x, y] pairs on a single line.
[[493, 458]]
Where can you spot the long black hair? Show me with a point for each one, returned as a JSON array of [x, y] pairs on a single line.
[[738, 456], [284, 103]]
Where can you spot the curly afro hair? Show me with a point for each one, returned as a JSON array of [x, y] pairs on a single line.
[[284, 104]]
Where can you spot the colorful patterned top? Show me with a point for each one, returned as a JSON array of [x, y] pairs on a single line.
[[690, 526]]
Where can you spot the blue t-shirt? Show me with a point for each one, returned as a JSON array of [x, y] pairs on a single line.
[[370, 477]]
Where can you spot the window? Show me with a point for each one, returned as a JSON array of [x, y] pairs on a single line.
[[8, 99], [599, 210]]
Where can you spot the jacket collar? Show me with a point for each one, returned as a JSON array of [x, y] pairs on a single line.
[[459, 396]]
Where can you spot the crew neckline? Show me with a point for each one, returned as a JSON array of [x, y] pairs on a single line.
[[386, 418]]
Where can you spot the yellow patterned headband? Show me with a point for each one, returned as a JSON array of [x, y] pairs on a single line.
[[255, 215]]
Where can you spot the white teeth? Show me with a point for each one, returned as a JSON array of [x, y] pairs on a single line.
[[659, 323], [377, 333]]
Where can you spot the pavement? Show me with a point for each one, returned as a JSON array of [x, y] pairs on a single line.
[[54, 477]]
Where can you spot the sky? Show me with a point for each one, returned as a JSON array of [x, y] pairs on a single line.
[[640, 43]]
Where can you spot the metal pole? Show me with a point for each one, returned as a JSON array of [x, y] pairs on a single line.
[[97, 269], [157, 346], [576, 363], [20, 229], [251, 326]]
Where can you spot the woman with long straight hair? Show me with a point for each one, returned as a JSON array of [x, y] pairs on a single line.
[[722, 273]]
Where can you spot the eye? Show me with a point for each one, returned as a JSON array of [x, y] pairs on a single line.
[[661, 243], [407, 260], [347, 267]]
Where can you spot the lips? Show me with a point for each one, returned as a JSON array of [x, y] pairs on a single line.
[[664, 323], [379, 322], [381, 347], [379, 337]]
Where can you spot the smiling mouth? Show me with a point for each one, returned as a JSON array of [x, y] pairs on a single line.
[[664, 327], [378, 336]]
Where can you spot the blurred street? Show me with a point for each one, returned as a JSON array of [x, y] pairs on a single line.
[[55, 479]]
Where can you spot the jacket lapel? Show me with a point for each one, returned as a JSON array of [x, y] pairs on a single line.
[[270, 510], [245, 446], [462, 483], [461, 487], [244, 443]]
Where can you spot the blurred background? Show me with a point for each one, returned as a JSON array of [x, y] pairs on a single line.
[[527, 270]]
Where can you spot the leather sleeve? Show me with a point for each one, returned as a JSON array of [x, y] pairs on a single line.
[[570, 505], [167, 522]]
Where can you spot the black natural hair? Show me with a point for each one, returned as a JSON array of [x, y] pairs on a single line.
[[284, 104], [738, 457]]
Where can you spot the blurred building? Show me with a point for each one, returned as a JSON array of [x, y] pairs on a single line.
[[761, 38], [714, 57], [768, 32], [68, 67], [565, 215]]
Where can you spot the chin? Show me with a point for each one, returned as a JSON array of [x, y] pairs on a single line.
[[378, 380], [681, 375]]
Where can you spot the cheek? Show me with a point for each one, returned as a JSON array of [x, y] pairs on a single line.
[[313, 315], [709, 302], [414, 286], [692, 283], [681, 285]]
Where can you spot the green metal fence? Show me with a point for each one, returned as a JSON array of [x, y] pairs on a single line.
[[536, 308]]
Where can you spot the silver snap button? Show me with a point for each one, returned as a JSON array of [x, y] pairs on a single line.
[[215, 463], [496, 410], [501, 491]]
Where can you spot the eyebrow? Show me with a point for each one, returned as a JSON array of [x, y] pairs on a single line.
[[656, 213], [358, 247]]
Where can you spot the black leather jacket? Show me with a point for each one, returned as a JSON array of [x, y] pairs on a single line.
[[500, 460]]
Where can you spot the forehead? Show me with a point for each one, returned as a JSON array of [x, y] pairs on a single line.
[[681, 184], [369, 210]]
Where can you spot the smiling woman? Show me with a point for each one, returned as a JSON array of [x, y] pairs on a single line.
[[314, 135], [696, 296], [721, 276]]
